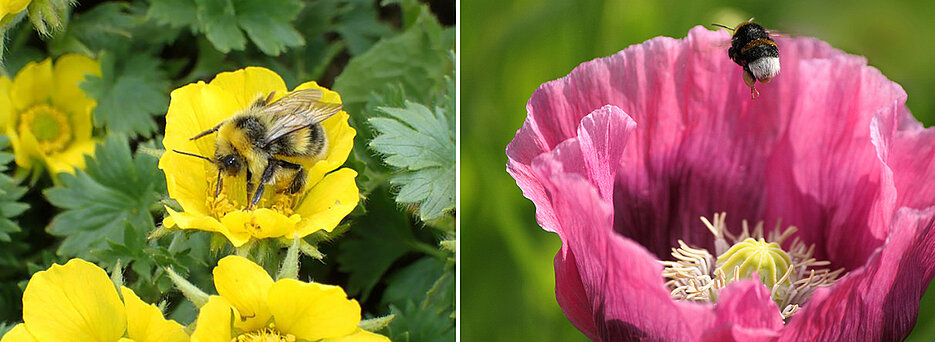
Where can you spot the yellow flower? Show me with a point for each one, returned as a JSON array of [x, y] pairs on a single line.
[[326, 199], [10, 8], [46, 114], [250, 306], [78, 302]]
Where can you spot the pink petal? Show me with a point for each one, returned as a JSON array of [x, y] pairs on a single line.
[[579, 176], [745, 312], [608, 286], [880, 301]]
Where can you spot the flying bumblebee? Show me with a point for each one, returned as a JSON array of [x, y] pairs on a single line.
[[753, 49], [256, 140]]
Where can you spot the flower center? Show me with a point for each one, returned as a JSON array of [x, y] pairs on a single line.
[[267, 334], [791, 275], [768, 260], [234, 197], [49, 125]]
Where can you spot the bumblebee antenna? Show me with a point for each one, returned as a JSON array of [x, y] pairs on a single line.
[[724, 26], [192, 155]]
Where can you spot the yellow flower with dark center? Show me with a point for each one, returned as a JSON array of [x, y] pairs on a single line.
[[78, 302], [321, 204], [47, 115], [9, 9], [250, 306]]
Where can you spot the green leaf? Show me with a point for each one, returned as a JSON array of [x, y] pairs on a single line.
[[175, 13], [219, 23], [416, 323], [10, 193], [421, 144], [267, 23], [416, 59], [129, 93], [431, 318], [359, 25], [116, 190], [107, 26], [373, 243], [413, 281]]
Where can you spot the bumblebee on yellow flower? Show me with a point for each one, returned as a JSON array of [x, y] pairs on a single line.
[[250, 306], [312, 196], [46, 114], [78, 302]]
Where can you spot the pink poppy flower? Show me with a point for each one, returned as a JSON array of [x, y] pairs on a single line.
[[622, 156]]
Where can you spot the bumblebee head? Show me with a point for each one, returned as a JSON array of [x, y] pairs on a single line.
[[227, 159]]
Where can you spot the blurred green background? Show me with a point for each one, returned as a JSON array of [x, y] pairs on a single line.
[[509, 48]]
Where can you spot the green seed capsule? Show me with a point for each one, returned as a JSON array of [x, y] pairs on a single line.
[[766, 259]]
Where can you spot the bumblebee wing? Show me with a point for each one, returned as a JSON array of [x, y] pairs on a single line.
[[297, 110]]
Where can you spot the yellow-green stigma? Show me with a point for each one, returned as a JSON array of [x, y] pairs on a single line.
[[768, 260], [49, 125], [790, 274]]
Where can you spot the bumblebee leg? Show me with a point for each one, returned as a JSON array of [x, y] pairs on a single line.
[[217, 186], [249, 182], [267, 175], [208, 131], [298, 181]]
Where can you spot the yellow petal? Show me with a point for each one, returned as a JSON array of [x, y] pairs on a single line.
[[13, 6], [193, 109], [214, 321], [145, 323], [312, 311], [245, 285], [70, 158], [75, 302], [18, 334], [186, 179], [186, 220], [26, 152], [6, 104], [69, 71], [33, 84], [360, 335], [273, 223], [326, 204], [246, 85], [239, 224]]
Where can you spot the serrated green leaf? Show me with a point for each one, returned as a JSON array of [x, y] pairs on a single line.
[[10, 193], [219, 23], [419, 324], [374, 243], [175, 13], [267, 23], [421, 144], [417, 59], [107, 26], [413, 281], [359, 25], [114, 190], [129, 93], [413, 138]]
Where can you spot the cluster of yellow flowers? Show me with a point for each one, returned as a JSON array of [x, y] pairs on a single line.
[[48, 119], [78, 302]]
